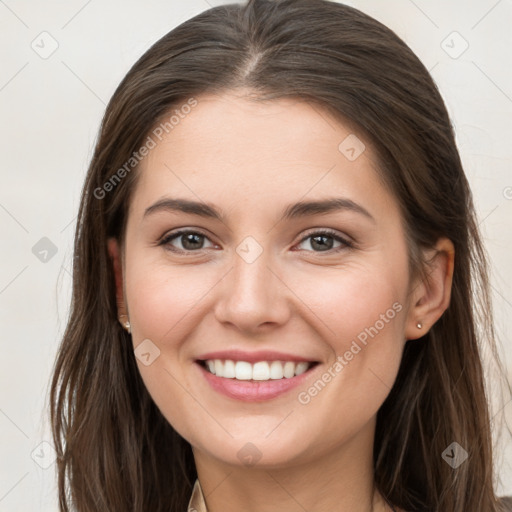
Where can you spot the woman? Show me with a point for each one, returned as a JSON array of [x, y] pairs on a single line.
[[318, 349]]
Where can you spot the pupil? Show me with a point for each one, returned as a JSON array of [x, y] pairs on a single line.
[[189, 239], [322, 245]]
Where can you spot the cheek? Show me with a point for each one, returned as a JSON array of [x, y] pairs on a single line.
[[161, 296], [364, 310], [367, 344], [161, 300], [352, 300]]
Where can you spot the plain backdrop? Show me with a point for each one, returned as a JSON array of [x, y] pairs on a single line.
[[61, 62]]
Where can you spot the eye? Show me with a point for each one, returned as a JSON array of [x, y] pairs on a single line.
[[189, 240], [320, 240]]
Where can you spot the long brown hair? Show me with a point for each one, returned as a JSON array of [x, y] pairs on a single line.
[[116, 451]]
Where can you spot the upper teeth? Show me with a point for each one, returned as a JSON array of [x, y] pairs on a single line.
[[262, 370]]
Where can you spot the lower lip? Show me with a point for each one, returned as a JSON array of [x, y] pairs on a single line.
[[254, 390]]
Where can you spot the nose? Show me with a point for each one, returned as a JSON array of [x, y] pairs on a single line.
[[252, 297]]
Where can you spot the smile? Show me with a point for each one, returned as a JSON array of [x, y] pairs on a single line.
[[259, 371], [256, 381]]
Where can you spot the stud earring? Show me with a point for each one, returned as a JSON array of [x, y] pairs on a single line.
[[126, 324], [419, 325]]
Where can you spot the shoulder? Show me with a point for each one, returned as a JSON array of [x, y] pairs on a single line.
[[506, 503]]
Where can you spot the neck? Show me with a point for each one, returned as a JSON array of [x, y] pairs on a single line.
[[320, 479]]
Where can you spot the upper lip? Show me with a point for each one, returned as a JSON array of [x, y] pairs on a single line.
[[254, 357]]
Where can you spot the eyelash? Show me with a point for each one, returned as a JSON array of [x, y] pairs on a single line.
[[165, 241]]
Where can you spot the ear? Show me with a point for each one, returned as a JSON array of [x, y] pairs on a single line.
[[115, 255], [430, 297]]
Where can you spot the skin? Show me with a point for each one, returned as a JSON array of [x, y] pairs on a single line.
[[250, 160]]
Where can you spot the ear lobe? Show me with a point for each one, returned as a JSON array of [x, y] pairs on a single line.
[[115, 255], [431, 297]]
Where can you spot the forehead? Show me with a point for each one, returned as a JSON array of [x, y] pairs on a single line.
[[232, 148], [244, 123]]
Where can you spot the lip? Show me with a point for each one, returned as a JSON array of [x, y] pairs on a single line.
[[254, 390], [255, 357]]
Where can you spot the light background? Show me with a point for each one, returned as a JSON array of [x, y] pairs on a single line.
[[50, 111]]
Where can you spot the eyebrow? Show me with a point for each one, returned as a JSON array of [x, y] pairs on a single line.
[[293, 211]]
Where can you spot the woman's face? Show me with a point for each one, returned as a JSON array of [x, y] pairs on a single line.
[[254, 278]]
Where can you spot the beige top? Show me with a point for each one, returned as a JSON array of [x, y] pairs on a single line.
[[196, 503]]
